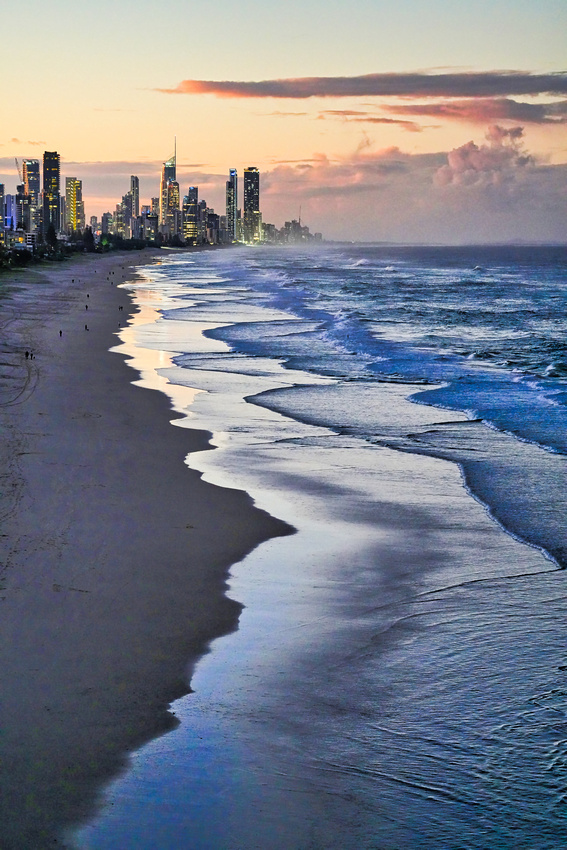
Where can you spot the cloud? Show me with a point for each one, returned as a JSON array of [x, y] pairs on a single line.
[[15, 141], [354, 116], [482, 110], [278, 114], [363, 172], [479, 192], [488, 164], [458, 84], [343, 113]]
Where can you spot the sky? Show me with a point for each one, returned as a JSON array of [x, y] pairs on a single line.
[[402, 121]]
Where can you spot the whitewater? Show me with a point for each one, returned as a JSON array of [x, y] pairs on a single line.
[[399, 676]]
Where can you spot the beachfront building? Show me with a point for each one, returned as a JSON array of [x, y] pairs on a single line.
[[2, 213], [135, 193], [202, 214], [191, 230], [51, 196], [30, 176], [252, 222], [168, 173], [32, 187], [74, 205], [150, 225], [106, 223], [231, 205], [173, 214], [23, 208]]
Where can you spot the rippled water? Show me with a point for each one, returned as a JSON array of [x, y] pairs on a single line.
[[399, 679]]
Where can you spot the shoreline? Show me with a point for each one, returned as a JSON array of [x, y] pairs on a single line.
[[279, 743], [115, 554]]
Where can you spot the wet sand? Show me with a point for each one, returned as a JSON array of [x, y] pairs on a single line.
[[114, 554], [354, 706]]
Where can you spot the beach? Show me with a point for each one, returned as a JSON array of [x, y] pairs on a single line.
[[114, 553], [391, 671], [397, 679]]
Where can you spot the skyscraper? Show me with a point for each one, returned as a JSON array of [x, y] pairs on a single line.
[[74, 206], [231, 204], [51, 197], [191, 215], [173, 217], [252, 224], [23, 208], [168, 172], [30, 174], [135, 192]]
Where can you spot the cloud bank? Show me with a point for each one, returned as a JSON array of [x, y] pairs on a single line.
[[467, 84], [478, 192]]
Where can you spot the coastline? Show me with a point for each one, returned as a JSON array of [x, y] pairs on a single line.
[[311, 725], [115, 554]]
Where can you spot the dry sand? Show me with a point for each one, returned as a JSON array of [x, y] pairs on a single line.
[[113, 555]]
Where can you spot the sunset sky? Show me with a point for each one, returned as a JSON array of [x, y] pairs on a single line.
[[407, 121]]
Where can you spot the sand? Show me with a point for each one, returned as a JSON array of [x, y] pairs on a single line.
[[114, 555]]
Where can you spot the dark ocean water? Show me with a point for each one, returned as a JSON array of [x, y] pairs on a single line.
[[399, 679], [489, 324]]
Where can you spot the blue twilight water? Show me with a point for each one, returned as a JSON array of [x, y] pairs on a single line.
[[399, 677], [488, 323]]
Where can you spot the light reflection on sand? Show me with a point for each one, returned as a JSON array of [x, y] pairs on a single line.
[[280, 744], [149, 362]]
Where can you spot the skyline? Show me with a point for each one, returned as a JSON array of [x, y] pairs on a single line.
[[383, 133]]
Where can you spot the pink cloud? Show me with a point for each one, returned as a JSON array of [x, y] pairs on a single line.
[[358, 117], [481, 110], [492, 191], [490, 163]]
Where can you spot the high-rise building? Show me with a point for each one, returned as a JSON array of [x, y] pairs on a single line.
[[252, 224], [202, 212], [191, 215], [231, 204], [51, 197], [173, 217], [106, 222], [30, 174], [23, 208], [127, 206], [10, 212], [74, 205], [135, 192], [168, 172]]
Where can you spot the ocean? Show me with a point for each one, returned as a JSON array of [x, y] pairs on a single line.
[[399, 676]]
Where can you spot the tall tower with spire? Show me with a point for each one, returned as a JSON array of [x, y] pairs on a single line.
[[168, 174]]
